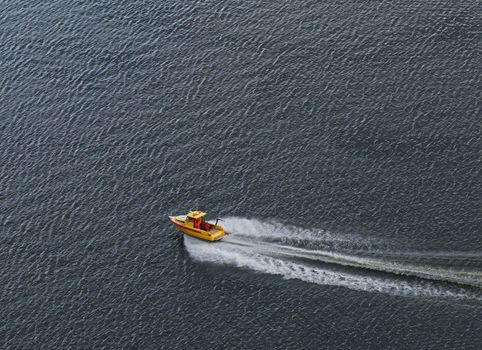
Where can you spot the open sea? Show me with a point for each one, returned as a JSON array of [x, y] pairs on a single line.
[[339, 141]]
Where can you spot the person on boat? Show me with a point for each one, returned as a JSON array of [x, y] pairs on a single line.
[[197, 224]]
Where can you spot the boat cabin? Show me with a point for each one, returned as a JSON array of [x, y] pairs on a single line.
[[197, 220]]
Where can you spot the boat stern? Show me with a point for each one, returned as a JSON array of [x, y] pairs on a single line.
[[216, 234]]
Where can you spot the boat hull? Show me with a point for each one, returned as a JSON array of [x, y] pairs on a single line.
[[215, 234]]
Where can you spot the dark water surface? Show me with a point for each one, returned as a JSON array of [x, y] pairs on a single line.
[[339, 140]]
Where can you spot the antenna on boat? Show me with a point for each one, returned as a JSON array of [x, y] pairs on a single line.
[[218, 219]]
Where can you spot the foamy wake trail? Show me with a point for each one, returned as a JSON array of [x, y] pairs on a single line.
[[472, 278], [267, 248], [252, 229]]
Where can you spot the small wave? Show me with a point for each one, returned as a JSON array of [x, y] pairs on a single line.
[[475, 256]]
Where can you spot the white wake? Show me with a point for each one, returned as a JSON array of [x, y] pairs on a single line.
[[270, 248]]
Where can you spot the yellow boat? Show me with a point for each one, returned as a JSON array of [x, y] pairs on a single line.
[[193, 224]]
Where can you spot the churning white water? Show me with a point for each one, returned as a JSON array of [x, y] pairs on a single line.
[[270, 247]]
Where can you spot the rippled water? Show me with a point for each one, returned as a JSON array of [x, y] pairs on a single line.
[[339, 140]]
